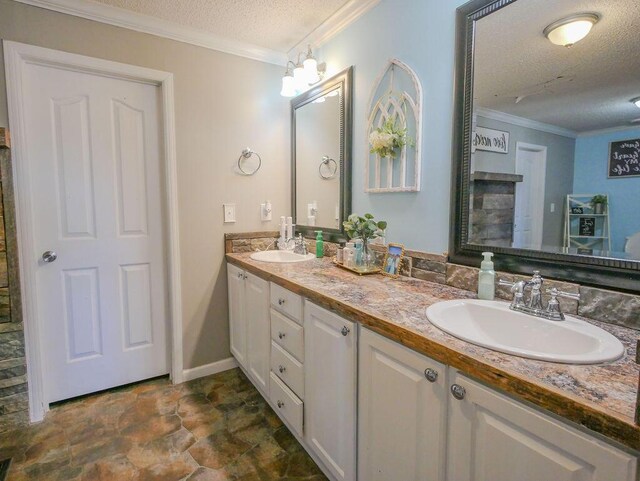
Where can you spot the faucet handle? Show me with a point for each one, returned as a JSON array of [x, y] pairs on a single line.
[[554, 292], [502, 282]]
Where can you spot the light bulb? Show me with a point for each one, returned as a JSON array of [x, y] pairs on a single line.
[[288, 86], [570, 30]]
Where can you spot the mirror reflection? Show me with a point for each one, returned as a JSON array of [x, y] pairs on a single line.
[[318, 161], [555, 163]]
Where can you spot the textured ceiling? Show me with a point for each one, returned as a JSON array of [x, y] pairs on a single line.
[[274, 24], [586, 87]]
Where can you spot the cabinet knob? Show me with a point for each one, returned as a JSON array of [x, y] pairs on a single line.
[[280, 404], [345, 331], [458, 391], [239, 275], [245, 277], [282, 369], [281, 335], [280, 301], [431, 374]]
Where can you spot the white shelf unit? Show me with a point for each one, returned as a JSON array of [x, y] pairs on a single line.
[[573, 235]]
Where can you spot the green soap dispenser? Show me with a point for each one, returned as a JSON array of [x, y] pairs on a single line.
[[319, 245], [487, 278]]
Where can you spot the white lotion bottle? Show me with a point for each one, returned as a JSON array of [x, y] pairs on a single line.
[[487, 278]]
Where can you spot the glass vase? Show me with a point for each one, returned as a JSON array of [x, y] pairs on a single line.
[[368, 256]]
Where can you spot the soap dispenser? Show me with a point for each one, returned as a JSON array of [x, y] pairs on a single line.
[[319, 245], [487, 278]]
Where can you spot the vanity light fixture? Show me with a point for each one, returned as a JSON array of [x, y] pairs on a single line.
[[304, 74], [636, 102], [569, 30]]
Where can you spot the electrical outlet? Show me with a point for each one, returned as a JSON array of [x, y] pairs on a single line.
[[552, 207], [229, 213]]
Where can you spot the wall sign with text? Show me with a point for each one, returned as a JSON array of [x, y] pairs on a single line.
[[490, 140], [624, 158]]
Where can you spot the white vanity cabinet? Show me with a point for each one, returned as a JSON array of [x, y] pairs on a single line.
[[402, 398], [330, 390], [249, 324], [492, 437]]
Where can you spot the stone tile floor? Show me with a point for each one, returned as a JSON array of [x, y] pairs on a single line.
[[212, 429]]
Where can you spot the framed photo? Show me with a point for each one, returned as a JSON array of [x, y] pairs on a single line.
[[577, 210], [587, 226], [392, 259]]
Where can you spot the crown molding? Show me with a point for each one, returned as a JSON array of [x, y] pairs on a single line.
[[610, 130], [120, 17], [522, 122], [336, 23]]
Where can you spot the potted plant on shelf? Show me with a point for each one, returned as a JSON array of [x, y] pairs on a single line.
[[598, 203], [364, 228]]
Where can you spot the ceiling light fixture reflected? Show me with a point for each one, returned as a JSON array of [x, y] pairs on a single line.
[[569, 30], [636, 102]]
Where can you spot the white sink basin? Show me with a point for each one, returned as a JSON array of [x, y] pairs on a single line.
[[281, 256], [493, 325]]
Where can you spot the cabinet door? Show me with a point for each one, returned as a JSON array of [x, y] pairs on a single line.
[[330, 390], [258, 332], [237, 317], [401, 413], [494, 438]]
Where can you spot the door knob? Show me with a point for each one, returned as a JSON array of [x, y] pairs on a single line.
[[49, 256]]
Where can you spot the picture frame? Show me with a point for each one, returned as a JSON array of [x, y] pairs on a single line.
[[392, 260]]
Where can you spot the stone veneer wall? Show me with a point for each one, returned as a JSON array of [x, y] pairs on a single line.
[[14, 402], [599, 304]]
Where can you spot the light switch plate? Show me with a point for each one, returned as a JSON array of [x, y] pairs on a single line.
[[229, 213], [265, 211]]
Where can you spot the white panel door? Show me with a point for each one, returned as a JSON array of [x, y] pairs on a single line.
[[494, 438], [258, 330], [330, 360], [94, 164], [531, 163], [237, 316], [401, 412]]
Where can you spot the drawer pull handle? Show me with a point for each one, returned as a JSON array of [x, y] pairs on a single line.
[[280, 404], [282, 369], [281, 335], [281, 301], [345, 331], [431, 374], [458, 391]]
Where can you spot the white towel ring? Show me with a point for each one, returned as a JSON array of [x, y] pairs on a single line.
[[326, 160], [246, 154]]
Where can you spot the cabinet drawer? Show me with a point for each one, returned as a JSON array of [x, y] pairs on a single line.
[[287, 302], [288, 335], [287, 404], [288, 369]]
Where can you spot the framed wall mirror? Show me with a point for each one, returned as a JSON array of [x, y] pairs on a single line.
[[545, 127], [321, 127]]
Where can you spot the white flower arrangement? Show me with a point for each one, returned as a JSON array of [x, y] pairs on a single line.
[[385, 140]]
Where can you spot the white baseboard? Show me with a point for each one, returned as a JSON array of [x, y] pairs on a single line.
[[209, 369]]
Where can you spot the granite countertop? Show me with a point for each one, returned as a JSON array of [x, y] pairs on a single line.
[[599, 397]]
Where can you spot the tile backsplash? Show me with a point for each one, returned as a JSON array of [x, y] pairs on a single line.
[[595, 303]]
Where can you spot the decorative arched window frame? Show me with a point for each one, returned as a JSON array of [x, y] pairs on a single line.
[[402, 105]]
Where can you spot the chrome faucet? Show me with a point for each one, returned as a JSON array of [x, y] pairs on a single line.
[[300, 246], [534, 305]]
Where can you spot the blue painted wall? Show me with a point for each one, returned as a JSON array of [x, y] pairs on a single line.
[[590, 177], [421, 34]]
